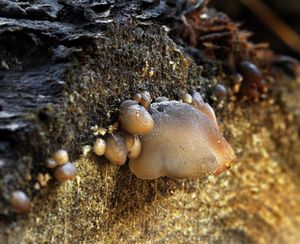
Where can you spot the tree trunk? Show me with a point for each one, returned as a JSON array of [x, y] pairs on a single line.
[[66, 67]]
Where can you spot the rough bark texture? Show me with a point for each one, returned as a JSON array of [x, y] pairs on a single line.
[[69, 69]]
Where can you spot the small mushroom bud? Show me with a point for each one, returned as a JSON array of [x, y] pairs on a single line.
[[65, 172], [220, 90], [145, 99], [134, 145], [187, 98], [137, 97], [99, 147], [51, 163], [61, 157], [20, 202], [135, 119], [204, 107], [250, 72], [116, 150]]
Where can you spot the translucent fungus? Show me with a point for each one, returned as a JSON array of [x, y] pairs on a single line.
[[65, 172], [116, 150], [145, 99], [253, 83], [99, 147], [61, 157], [220, 90], [51, 163], [137, 97], [20, 202], [250, 72], [134, 118], [204, 107], [187, 98], [134, 145], [184, 143]]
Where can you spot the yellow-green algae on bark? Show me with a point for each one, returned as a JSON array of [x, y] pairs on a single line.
[[256, 201]]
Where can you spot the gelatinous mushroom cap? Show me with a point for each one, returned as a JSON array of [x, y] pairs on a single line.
[[61, 157], [134, 118], [116, 150], [20, 202], [133, 144], [184, 143], [65, 172]]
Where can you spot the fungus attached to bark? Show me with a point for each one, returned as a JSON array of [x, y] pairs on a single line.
[[65, 172], [187, 98], [253, 83], [185, 143], [99, 147], [134, 118], [204, 107], [51, 163], [116, 150], [20, 202], [220, 91], [61, 157], [133, 144], [145, 99]]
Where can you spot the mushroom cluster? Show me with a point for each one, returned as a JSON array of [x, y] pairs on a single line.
[[63, 168], [178, 139]]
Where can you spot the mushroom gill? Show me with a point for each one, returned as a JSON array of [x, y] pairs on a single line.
[[184, 143]]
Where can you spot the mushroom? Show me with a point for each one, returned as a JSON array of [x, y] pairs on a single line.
[[116, 150], [134, 118], [99, 147], [133, 144], [20, 202], [65, 172], [185, 143], [145, 99], [61, 157], [137, 97], [51, 163], [187, 98], [204, 107]]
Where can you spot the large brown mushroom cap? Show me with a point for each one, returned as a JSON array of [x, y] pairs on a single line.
[[184, 143]]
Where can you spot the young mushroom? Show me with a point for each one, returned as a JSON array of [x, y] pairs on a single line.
[[145, 99], [65, 172], [204, 107], [184, 143], [51, 163], [99, 147], [134, 118], [61, 157], [187, 98], [133, 144], [20, 202], [116, 150]]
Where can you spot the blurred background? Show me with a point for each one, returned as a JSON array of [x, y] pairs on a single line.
[[257, 17]]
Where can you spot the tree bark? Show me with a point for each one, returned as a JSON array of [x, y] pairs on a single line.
[[66, 66]]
